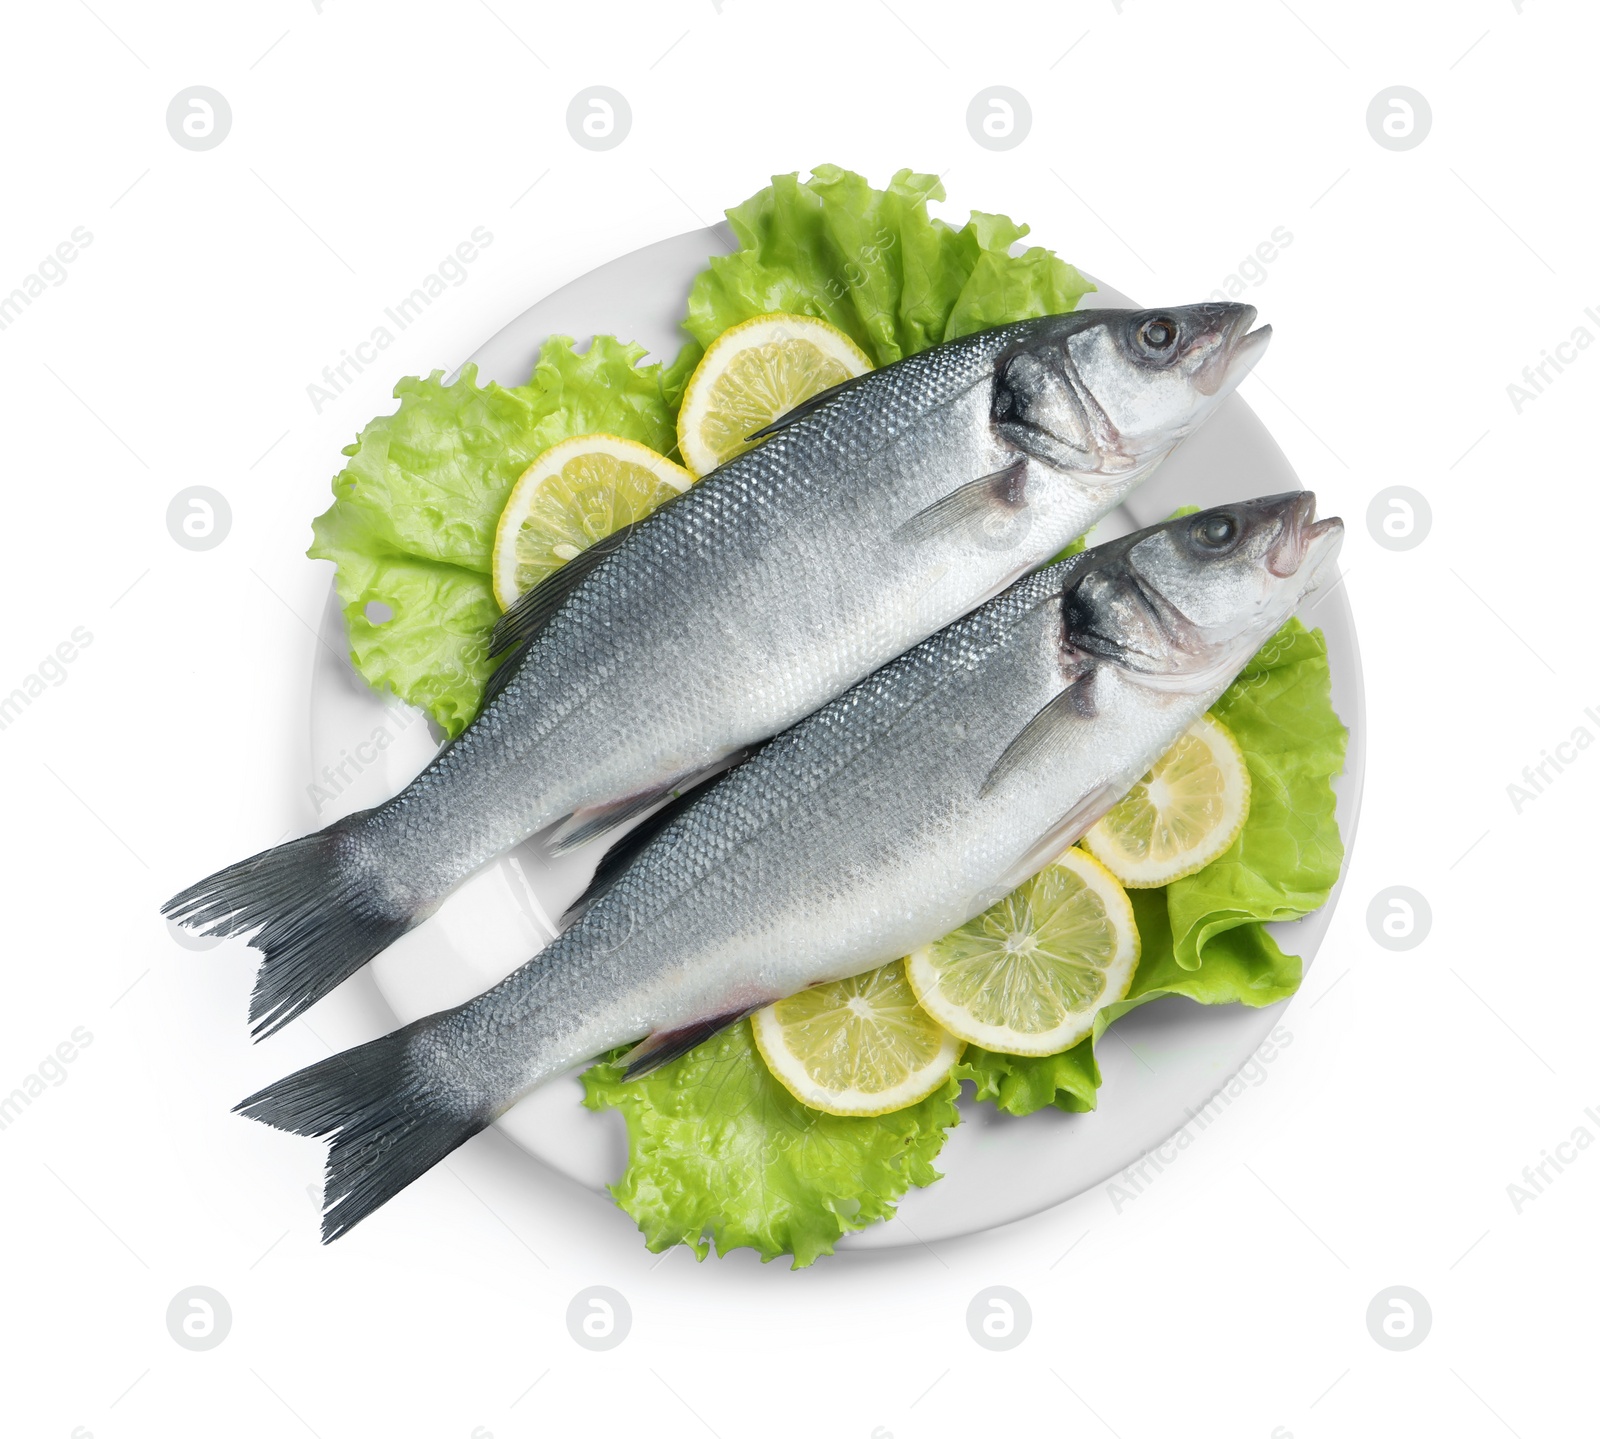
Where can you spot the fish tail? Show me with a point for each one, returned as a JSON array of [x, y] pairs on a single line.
[[317, 914], [388, 1112]]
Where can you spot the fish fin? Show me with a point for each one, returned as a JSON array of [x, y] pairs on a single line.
[[388, 1123], [1049, 731], [992, 501], [312, 914], [1068, 830], [584, 824], [498, 679], [807, 407], [530, 612], [666, 1045], [614, 863]]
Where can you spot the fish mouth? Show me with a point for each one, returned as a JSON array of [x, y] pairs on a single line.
[[1233, 354], [1303, 536]]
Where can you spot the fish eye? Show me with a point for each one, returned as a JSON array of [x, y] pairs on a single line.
[[1215, 532], [1158, 335]]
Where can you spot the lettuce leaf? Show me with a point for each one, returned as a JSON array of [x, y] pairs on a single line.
[[1287, 857], [1202, 937], [416, 506], [1020, 1084], [875, 264], [720, 1153]]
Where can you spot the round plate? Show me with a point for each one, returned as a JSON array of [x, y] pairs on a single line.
[[1174, 1055]]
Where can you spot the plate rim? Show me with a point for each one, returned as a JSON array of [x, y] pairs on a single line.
[[1350, 784]]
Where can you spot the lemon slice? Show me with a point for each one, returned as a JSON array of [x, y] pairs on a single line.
[[1028, 975], [576, 492], [1180, 816], [856, 1046], [754, 373]]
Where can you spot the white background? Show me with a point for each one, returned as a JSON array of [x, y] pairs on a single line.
[[1168, 140]]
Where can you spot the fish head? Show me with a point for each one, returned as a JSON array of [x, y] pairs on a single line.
[[1185, 602], [1107, 394]]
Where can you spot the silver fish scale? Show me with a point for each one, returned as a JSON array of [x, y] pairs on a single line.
[[868, 829], [887, 818], [843, 843], [741, 607]]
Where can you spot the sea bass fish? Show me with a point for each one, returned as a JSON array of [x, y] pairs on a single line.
[[883, 821], [871, 517]]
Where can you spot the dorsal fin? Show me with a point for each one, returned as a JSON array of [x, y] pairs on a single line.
[[667, 1045], [809, 407], [614, 863], [497, 681], [520, 625]]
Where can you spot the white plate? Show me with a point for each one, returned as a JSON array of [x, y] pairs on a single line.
[[1177, 1055]]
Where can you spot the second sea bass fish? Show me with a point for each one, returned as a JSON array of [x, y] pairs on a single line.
[[888, 818], [873, 516]]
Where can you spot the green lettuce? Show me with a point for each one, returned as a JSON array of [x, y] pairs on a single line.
[[720, 1153], [1287, 857], [1020, 1084], [718, 1148], [415, 509], [875, 264], [1202, 937]]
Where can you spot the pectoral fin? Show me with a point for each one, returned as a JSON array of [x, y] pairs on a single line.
[[991, 504], [520, 625], [1047, 734]]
